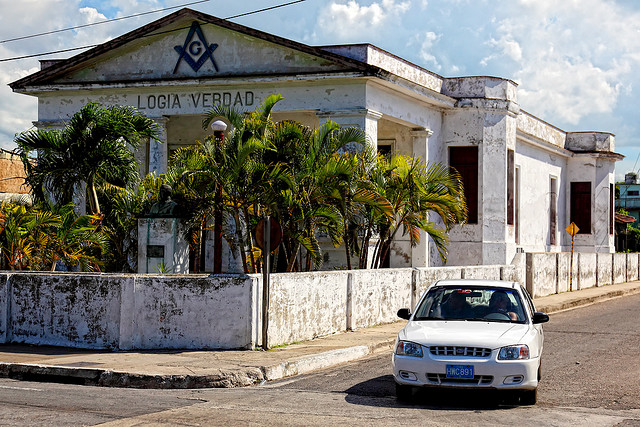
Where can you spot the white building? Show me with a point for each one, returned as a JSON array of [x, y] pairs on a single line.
[[526, 180]]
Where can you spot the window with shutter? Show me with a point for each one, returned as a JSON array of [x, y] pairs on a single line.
[[465, 161], [581, 206], [510, 190], [553, 211]]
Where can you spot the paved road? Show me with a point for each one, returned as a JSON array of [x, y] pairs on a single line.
[[591, 377]]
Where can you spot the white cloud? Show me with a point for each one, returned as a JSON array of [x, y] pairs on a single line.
[[566, 91], [353, 21], [571, 58], [427, 41]]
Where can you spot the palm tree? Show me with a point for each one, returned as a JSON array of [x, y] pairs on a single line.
[[415, 190], [95, 146], [354, 196], [321, 168], [227, 177]]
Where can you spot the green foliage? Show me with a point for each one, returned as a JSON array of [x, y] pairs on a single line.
[[95, 147], [38, 237], [122, 208]]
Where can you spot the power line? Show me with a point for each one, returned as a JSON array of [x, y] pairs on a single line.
[[15, 58], [101, 22], [266, 9]]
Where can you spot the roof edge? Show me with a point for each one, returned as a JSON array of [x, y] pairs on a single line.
[[65, 64]]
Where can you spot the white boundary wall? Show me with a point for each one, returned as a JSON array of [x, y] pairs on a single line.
[[125, 312]]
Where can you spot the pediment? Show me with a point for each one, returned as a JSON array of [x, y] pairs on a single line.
[[188, 45]]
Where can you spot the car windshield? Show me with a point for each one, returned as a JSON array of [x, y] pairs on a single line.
[[471, 303]]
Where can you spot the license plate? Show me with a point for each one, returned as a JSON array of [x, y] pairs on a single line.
[[459, 371]]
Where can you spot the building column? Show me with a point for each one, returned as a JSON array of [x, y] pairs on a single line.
[[362, 118], [421, 143], [159, 148], [499, 135], [420, 252]]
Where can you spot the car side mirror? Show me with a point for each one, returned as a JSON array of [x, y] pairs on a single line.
[[404, 313], [540, 317]]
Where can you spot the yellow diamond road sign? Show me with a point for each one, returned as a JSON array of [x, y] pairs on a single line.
[[572, 229]]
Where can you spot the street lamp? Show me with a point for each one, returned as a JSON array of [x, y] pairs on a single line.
[[218, 127]]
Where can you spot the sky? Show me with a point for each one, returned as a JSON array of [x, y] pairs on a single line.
[[575, 61]]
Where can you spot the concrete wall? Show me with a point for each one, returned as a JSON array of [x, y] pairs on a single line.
[[378, 294], [605, 268], [306, 305], [619, 268], [65, 310], [189, 312], [548, 273], [632, 267], [126, 312], [587, 272]]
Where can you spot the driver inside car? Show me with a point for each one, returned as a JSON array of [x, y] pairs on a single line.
[[499, 303]]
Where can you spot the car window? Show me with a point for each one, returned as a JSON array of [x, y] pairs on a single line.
[[472, 303]]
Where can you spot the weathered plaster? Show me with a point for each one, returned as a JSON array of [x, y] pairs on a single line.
[[605, 268], [632, 267], [619, 268], [309, 306], [587, 267], [377, 295]]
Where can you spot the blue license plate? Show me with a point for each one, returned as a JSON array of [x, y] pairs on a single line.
[[459, 371]]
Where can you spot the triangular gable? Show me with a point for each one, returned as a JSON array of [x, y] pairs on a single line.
[[190, 44]]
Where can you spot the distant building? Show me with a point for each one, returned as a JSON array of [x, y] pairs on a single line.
[[12, 185], [629, 196], [525, 179]]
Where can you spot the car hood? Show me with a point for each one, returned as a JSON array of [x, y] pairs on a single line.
[[464, 333]]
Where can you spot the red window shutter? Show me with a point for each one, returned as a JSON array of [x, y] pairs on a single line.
[[510, 190], [465, 161], [581, 206]]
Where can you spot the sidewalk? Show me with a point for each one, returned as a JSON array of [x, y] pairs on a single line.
[[198, 369]]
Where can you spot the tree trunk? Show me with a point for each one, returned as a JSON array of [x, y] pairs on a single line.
[[347, 249], [240, 237], [294, 257], [250, 238], [93, 196]]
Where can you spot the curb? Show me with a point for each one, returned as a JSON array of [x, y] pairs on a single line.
[[223, 379]]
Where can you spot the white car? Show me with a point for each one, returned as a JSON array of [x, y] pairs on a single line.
[[482, 334]]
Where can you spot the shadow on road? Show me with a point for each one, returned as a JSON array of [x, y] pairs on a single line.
[[368, 393]]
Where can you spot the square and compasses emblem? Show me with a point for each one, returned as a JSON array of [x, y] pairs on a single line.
[[195, 50]]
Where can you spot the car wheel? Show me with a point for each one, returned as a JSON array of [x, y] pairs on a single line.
[[529, 397], [403, 392]]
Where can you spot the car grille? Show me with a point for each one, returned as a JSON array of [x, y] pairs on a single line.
[[476, 380], [446, 350]]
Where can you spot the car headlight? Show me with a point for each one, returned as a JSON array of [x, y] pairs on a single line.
[[514, 352], [407, 348]]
